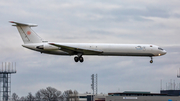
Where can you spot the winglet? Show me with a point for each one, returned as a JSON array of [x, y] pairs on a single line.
[[23, 24]]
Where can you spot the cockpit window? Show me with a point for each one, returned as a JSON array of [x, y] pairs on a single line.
[[160, 48]]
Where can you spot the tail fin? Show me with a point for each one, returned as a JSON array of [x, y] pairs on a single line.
[[27, 34]]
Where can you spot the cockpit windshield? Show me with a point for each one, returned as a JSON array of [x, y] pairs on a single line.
[[160, 48]]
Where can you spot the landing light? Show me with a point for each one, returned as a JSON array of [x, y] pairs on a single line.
[[159, 54]]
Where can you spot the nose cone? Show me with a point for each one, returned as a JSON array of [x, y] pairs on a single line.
[[161, 51], [164, 52]]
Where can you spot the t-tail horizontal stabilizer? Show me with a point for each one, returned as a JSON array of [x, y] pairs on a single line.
[[23, 24]]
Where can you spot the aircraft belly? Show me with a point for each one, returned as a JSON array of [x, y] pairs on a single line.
[[127, 51], [127, 54]]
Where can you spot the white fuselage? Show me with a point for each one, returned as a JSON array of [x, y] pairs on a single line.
[[34, 42], [107, 49]]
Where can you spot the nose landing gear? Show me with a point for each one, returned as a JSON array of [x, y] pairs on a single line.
[[151, 61]]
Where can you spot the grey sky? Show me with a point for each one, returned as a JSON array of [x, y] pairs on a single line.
[[97, 21]]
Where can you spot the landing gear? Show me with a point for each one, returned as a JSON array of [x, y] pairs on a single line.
[[76, 59], [79, 58], [151, 61]]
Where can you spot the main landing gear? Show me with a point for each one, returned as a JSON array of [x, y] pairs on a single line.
[[79, 58], [151, 61]]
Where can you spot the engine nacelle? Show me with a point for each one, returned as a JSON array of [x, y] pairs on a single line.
[[47, 47]]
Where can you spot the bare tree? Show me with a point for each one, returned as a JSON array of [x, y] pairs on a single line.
[[61, 98], [76, 95], [67, 95], [15, 97], [70, 95], [22, 98], [30, 97], [50, 94], [38, 96]]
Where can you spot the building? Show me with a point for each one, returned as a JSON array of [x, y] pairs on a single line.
[[88, 97], [171, 92], [165, 95], [140, 96], [84, 97]]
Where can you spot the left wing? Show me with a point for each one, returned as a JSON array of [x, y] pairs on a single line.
[[76, 50]]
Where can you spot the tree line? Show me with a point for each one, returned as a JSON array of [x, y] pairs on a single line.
[[48, 94]]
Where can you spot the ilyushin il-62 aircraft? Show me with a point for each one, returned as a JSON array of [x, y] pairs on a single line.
[[34, 42]]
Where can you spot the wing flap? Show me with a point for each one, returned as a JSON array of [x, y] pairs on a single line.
[[76, 50]]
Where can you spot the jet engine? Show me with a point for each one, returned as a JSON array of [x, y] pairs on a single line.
[[47, 47]]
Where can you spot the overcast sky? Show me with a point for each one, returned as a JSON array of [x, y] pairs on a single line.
[[92, 21]]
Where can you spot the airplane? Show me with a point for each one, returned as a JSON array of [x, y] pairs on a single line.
[[33, 42]]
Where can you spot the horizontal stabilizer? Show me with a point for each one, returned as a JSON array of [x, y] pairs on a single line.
[[23, 24]]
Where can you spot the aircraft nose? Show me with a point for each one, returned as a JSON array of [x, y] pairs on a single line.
[[164, 52]]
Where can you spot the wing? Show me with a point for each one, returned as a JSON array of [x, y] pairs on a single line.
[[76, 50]]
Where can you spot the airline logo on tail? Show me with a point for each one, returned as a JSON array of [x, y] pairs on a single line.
[[28, 32]]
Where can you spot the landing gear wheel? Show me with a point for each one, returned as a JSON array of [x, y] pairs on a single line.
[[151, 61], [76, 59], [81, 59]]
